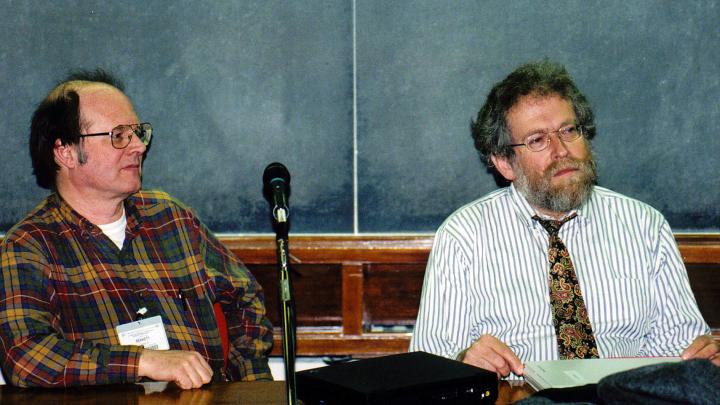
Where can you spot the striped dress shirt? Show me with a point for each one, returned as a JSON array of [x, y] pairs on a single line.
[[488, 269], [65, 286]]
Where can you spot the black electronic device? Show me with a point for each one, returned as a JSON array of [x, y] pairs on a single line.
[[408, 378]]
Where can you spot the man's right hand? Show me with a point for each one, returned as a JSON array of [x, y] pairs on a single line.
[[490, 353], [186, 369]]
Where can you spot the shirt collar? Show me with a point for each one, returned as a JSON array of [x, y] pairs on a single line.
[[69, 215], [72, 217], [134, 219]]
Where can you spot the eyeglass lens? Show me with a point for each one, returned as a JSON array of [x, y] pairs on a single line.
[[541, 140], [122, 134]]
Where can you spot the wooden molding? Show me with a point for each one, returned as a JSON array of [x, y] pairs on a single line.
[[699, 248], [694, 248], [334, 249]]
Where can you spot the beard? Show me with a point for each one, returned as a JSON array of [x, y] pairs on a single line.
[[540, 192]]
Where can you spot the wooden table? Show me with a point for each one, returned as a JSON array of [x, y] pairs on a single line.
[[251, 393], [510, 392]]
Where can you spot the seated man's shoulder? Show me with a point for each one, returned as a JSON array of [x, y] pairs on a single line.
[[41, 219], [621, 203], [484, 205], [475, 211]]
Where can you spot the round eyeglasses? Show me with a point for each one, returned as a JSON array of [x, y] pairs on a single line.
[[540, 140], [121, 135]]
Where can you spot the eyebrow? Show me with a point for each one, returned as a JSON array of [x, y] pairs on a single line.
[[572, 121]]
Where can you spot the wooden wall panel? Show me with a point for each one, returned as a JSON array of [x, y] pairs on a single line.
[[346, 284], [392, 293], [317, 290], [705, 283]]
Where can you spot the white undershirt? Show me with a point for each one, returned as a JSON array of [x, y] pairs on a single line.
[[116, 230]]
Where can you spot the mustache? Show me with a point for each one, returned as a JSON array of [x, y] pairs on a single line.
[[586, 166], [567, 163], [570, 163]]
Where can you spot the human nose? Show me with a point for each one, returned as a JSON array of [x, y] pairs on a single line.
[[136, 144], [558, 147]]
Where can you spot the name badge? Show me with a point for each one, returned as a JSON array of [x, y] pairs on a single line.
[[149, 333]]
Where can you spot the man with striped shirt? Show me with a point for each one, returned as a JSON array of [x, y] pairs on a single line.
[[99, 254], [485, 296]]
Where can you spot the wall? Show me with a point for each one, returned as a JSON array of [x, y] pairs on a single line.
[[367, 102]]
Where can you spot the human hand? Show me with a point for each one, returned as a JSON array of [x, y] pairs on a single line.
[[167, 393], [703, 347], [490, 353], [187, 369]]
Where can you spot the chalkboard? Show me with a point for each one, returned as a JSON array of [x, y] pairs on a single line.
[[368, 102]]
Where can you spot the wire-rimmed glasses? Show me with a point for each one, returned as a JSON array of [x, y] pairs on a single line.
[[121, 135]]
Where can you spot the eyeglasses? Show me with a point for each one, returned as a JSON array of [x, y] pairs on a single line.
[[121, 135], [540, 140]]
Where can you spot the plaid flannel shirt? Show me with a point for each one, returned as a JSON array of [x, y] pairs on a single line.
[[65, 286]]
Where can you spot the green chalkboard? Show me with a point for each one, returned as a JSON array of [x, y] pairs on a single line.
[[368, 102]]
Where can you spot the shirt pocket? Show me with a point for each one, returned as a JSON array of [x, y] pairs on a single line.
[[186, 311], [197, 303], [622, 308], [198, 328]]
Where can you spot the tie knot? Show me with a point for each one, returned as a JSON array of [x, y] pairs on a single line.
[[552, 226]]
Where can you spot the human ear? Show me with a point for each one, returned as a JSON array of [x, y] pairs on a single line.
[[65, 154], [503, 166]]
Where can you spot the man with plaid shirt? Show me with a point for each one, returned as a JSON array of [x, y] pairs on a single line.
[[99, 253]]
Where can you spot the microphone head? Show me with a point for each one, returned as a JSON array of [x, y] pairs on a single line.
[[276, 177], [276, 171]]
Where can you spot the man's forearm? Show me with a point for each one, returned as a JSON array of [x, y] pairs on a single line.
[[53, 362]]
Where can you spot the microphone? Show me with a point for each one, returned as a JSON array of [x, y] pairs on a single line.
[[276, 189]]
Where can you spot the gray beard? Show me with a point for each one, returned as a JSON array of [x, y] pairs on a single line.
[[541, 194]]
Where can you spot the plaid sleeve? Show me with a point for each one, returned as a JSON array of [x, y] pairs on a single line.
[[242, 301], [36, 354]]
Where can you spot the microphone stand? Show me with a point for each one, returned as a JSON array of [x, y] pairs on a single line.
[[287, 309]]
